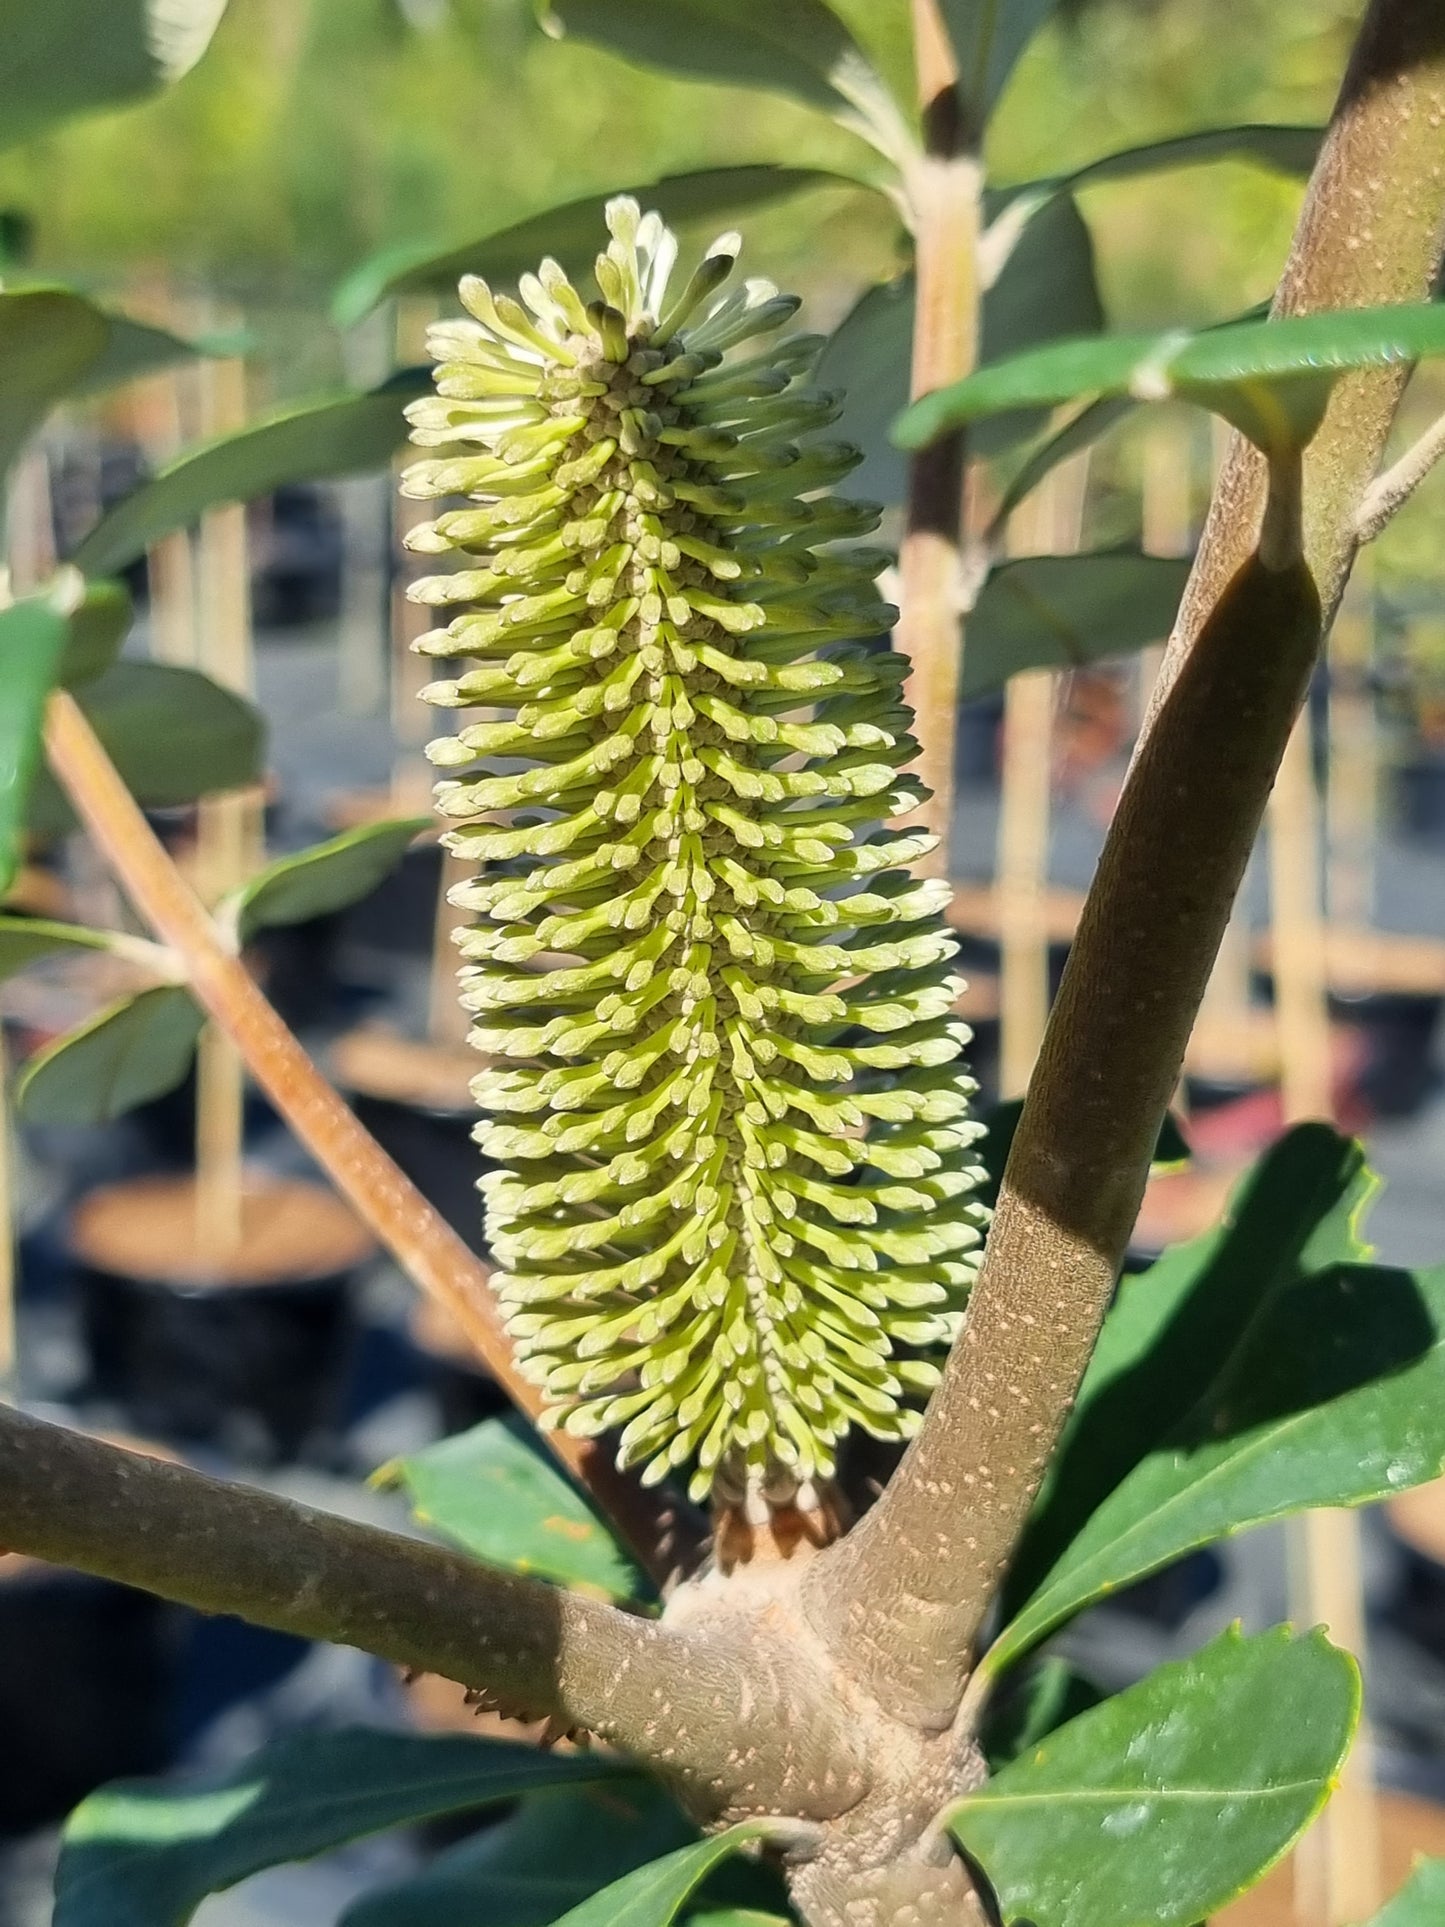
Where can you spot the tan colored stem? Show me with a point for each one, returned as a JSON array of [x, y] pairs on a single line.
[[906, 1593], [422, 1243], [945, 192]]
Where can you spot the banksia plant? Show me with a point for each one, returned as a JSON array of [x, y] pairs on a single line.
[[734, 1198]]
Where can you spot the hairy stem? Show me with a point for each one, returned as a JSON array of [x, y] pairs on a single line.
[[907, 1592], [944, 192], [1390, 491], [421, 1241]]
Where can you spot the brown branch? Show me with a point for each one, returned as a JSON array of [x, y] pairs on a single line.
[[906, 1593], [420, 1240], [944, 189], [682, 1702]]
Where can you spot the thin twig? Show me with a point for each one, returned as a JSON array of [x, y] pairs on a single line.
[[420, 1240], [1388, 493]]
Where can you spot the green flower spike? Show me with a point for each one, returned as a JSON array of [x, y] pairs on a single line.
[[735, 1185]]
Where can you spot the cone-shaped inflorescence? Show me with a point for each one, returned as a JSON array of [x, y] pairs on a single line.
[[734, 1194]]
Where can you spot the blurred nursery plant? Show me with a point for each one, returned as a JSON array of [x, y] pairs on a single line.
[[739, 1192]]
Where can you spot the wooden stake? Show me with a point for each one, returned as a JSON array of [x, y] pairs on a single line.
[[1353, 800], [1337, 1867], [229, 839]]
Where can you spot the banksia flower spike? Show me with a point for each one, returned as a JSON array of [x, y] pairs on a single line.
[[734, 1194]]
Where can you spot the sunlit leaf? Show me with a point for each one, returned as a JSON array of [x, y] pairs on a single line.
[[1170, 1799], [327, 877], [129, 1053], [493, 1492], [139, 1855], [568, 232], [1065, 611], [654, 1895], [1244, 372], [86, 54], [32, 640], [340, 435]]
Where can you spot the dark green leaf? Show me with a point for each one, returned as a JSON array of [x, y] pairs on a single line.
[[1029, 1705], [493, 1492], [341, 435], [559, 1848], [1243, 372], [654, 1895], [1170, 1799], [49, 337], [797, 47], [24, 939], [147, 1856], [1420, 1902], [130, 1052], [1047, 288], [32, 640], [96, 631], [572, 232], [133, 349], [62, 60], [172, 733], [1323, 1384], [314, 882], [1077, 434], [1063, 611], [989, 36]]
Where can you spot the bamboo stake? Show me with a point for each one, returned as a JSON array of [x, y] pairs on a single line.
[[1352, 804], [1337, 1868], [229, 837]]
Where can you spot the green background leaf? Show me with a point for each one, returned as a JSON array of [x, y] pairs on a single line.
[[1162, 1804], [495, 1494], [988, 37], [327, 877], [63, 60], [132, 1051], [1420, 1902], [1333, 1394], [96, 631], [32, 639], [24, 939], [172, 733], [654, 1895], [49, 337], [1062, 611], [134, 1855], [1282, 149], [1047, 288], [341, 435], [572, 232]]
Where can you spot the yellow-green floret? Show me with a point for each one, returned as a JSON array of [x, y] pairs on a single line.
[[734, 1194]]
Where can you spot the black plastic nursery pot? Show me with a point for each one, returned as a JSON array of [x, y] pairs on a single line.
[[250, 1355], [1399, 1030], [88, 1677]]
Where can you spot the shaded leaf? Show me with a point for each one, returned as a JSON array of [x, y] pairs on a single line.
[[1064, 611], [1047, 288], [569, 231], [327, 877], [137, 1855], [172, 733], [1080, 432], [340, 435], [797, 47], [87, 54], [1420, 1902], [1333, 1395], [133, 349], [654, 1895], [1030, 1705], [1243, 372], [32, 641], [24, 939], [559, 1848], [494, 1493], [988, 37], [1171, 1798], [1171, 1330], [49, 338], [96, 631], [130, 1052]]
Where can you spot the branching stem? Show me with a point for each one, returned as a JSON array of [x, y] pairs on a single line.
[[1389, 492]]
